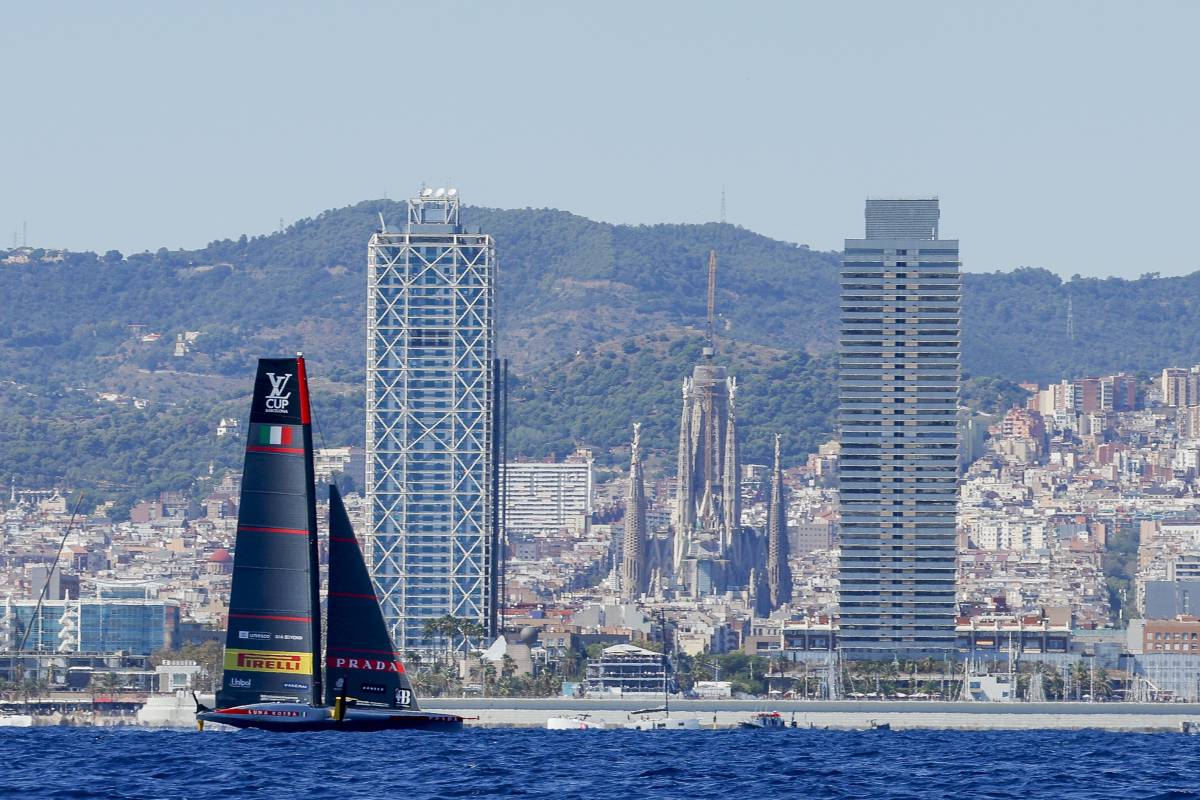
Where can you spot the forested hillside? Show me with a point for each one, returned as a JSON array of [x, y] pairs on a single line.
[[599, 321]]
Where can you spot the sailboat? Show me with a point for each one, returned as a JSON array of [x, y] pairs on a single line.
[[274, 675], [646, 722]]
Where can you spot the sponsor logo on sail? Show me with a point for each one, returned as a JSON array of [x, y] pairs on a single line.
[[259, 635], [373, 688], [266, 661], [240, 683], [276, 402], [303, 687], [370, 664]]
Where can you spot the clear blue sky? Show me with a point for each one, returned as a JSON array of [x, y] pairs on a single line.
[[1057, 134]]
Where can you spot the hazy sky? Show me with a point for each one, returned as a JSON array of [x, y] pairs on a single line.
[[1057, 134]]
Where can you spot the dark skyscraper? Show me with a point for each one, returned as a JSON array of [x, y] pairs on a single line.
[[779, 572], [898, 481]]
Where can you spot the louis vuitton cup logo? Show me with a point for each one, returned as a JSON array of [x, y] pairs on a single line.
[[276, 401]]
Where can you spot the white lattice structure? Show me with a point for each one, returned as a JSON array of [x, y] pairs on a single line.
[[430, 343]]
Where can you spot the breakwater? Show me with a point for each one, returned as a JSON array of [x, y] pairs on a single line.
[[837, 715]]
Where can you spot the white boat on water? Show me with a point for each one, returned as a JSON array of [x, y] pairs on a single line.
[[174, 710], [579, 722], [664, 724], [16, 721], [661, 720]]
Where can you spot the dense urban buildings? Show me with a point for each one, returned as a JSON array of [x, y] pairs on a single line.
[[430, 421], [899, 376], [1077, 526]]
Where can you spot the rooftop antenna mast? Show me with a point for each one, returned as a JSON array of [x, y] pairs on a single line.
[[711, 349]]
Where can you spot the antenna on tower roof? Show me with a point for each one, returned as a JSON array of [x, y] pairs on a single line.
[[711, 349]]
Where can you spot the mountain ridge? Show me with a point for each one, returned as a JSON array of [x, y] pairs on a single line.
[[578, 300]]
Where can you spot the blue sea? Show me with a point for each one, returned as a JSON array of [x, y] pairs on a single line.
[[621, 765]]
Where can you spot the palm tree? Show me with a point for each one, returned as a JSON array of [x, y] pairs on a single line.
[[489, 676], [782, 664], [444, 628]]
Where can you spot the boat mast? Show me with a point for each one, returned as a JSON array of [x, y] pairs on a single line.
[[314, 553], [662, 617]]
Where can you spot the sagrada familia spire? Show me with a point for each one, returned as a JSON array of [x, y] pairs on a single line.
[[779, 573], [634, 570], [708, 508]]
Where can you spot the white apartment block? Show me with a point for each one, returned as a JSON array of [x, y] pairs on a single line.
[[549, 497]]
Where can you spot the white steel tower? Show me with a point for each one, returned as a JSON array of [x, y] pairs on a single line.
[[430, 421]]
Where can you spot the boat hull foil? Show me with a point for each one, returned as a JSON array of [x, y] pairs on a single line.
[[296, 717]]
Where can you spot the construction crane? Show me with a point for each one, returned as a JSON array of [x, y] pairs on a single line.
[[710, 350]]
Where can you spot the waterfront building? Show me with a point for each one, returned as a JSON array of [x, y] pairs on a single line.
[[93, 625], [547, 497], [430, 419], [898, 397], [626, 669], [1179, 636]]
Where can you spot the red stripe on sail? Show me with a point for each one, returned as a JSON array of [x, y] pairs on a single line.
[[291, 451], [259, 529], [272, 616], [302, 377]]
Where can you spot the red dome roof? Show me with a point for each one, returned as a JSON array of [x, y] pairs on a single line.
[[220, 556]]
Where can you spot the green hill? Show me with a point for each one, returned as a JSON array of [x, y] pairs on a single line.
[[594, 317]]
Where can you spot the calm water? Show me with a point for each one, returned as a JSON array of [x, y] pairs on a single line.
[[622, 765]]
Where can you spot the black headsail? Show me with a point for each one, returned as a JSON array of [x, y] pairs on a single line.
[[361, 662], [272, 649]]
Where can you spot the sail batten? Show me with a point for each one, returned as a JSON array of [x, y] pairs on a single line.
[[273, 644]]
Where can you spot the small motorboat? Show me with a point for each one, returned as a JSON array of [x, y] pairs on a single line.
[[1189, 727], [764, 721]]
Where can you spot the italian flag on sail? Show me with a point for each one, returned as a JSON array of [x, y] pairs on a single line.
[[274, 434]]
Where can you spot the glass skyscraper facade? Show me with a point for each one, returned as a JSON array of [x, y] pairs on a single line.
[[898, 398], [430, 425], [136, 627]]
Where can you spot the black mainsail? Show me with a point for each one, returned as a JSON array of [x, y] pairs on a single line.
[[361, 662], [273, 644]]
